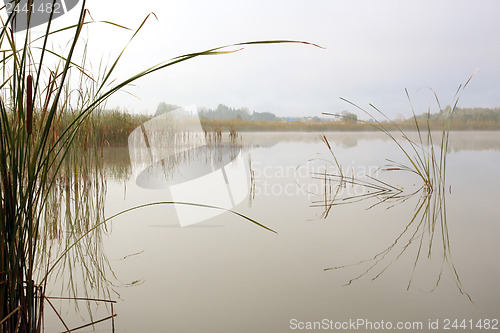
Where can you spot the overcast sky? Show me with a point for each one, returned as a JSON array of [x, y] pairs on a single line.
[[373, 51]]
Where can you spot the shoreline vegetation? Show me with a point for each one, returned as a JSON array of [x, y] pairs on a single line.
[[53, 131], [114, 126]]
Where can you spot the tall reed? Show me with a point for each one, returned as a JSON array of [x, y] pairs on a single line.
[[428, 163], [42, 117], [426, 158]]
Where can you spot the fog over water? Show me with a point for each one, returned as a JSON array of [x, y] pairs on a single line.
[[373, 50], [226, 274]]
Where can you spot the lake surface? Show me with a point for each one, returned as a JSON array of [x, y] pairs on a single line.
[[226, 274]]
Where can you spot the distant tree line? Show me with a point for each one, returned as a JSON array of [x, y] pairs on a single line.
[[464, 118], [473, 114], [113, 126], [243, 119], [222, 112], [164, 107]]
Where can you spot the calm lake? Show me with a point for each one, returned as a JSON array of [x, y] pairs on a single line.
[[226, 274]]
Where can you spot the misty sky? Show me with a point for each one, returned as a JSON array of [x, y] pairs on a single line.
[[373, 50]]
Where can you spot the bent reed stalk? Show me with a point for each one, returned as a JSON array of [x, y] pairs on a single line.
[[42, 117], [428, 164]]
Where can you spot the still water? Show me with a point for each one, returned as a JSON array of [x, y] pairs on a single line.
[[226, 274]]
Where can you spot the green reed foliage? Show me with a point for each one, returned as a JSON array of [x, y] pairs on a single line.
[[35, 142], [47, 99], [425, 157]]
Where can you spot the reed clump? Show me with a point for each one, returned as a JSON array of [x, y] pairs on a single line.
[[425, 157], [46, 141], [49, 101]]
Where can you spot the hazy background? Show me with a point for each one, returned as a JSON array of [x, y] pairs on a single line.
[[374, 49]]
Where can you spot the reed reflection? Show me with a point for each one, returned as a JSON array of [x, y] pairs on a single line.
[[427, 224], [196, 168], [72, 257]]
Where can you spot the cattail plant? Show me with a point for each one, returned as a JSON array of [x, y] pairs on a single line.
[[41, 122], [29, 105]]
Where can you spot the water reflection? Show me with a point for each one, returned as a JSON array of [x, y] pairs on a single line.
[[424, 235], [72, 259], [188, 165], [459, 141], [119, 165], [172, 153], [427, 224], [239, 273]]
